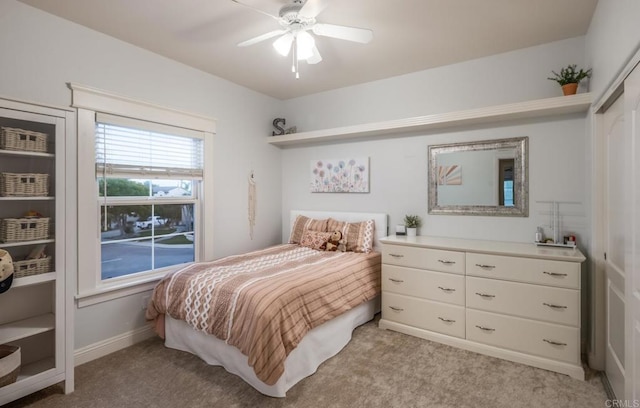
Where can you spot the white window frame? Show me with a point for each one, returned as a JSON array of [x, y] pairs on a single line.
[[89, 101]]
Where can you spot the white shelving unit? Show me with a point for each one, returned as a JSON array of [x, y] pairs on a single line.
[[36, 313], [394, 128]]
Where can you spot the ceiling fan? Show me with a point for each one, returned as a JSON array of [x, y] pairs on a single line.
[[296, 20]]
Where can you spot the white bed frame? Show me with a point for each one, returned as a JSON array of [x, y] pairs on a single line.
[[320, 344]]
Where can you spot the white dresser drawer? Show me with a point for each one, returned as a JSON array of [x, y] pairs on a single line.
[[424, 314], [556, 305], [439, 286], [423, 258], [548, 340], [531, 270]]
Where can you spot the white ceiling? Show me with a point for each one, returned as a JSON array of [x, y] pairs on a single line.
[[409, 35]]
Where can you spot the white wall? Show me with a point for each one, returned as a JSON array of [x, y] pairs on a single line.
[[613, 37], [504, 78], [41, 53], [557, 169], [398, 177]]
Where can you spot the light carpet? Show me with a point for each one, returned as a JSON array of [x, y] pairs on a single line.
[[378, 368]]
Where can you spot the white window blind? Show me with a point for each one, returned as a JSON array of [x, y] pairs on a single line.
[[131, 148]]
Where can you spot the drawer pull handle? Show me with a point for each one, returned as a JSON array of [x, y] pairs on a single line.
[[554, 306], [555, 273], [555, 343], [446, 289], [396, 280], [396, 255], [489, 329], [485, 266], [446, 262], [446, 320], [484, 295], [397, 309]]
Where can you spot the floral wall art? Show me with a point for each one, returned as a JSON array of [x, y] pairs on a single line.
[[340, 175]]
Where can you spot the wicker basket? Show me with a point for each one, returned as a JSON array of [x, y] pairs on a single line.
[[24, 185], [24, 229], [30, 267], [9, 364], [20, 139]]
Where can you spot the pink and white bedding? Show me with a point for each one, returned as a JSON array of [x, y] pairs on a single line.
[[264, 302]]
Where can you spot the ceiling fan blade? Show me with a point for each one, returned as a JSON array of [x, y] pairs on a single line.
[[315, 56], [359, 35], [312, 8], [257, 10], [262, 37]]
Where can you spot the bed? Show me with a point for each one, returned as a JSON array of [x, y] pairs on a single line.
[[303, 330]]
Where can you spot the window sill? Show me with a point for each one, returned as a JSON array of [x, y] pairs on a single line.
[[116, 290]]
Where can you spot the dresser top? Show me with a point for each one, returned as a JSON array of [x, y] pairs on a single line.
[[488, 247]]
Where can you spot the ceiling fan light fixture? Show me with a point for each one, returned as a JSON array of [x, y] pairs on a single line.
[[297, 21], [283, 44], [305, 45]]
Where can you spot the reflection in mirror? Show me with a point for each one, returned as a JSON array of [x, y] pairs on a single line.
[[479, 178]]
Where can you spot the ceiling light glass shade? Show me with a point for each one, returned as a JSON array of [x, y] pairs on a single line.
[[315, 57], [306, 44], [283, 44]]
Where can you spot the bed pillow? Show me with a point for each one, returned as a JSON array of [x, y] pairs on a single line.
[[358, 235], [302, 224], [314, 239]]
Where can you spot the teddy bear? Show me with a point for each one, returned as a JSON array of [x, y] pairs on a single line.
[[334, 242]]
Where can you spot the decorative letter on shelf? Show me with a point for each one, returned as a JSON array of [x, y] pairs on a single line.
[[276, 124]]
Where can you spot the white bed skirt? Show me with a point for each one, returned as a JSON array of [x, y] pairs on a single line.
[[320, 344]]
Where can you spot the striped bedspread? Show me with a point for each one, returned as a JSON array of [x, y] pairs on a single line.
[[265, 301]]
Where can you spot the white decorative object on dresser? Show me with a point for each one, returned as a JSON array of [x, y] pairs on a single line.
[[36, 312], [514, 301]]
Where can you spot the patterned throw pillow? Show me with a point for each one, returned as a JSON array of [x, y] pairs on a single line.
[[302, 224], [358, 235], [314, 239]]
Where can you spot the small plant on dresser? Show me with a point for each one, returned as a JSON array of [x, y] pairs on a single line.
[[412, 222]]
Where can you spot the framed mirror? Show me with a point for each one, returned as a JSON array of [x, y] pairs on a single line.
[[488, 177]]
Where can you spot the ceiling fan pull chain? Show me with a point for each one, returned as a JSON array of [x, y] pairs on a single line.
[[295, 57]]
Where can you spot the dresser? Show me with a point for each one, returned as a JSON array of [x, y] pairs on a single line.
[[514, 301]]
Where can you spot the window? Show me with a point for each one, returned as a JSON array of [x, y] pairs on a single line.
[[148, 185], [141, 193]]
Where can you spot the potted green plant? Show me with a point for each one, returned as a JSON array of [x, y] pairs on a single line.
[[569, 78], [412, 222]]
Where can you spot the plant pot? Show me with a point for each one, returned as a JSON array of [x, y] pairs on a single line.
[[412, 232], [570, 89]]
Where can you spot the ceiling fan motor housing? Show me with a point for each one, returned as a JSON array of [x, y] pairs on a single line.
[[289, 12]]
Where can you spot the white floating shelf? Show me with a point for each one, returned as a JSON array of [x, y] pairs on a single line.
[[515, 111], [28, 327]]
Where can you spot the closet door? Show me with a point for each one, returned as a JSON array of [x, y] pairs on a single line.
[[632, 336], [616, 204]]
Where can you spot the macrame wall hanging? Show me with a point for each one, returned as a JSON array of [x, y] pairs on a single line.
[[252, 203]]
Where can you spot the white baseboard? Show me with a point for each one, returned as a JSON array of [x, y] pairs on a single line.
[[108, 346]]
